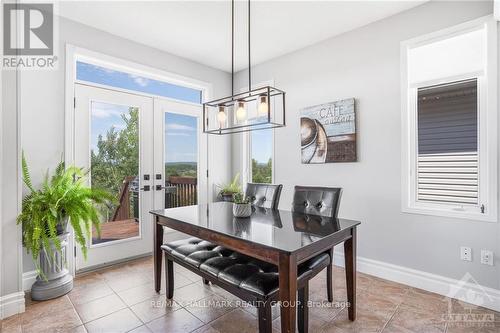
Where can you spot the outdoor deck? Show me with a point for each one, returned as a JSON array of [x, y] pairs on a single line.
[[115, 230]]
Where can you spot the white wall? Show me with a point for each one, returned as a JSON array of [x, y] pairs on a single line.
[[11, 298], [42, 97], [365, 64]]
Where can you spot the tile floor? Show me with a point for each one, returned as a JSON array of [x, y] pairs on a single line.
[[122, 299]]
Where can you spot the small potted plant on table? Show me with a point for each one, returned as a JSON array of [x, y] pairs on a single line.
[[241, 205], [63, 198], [228, 190]]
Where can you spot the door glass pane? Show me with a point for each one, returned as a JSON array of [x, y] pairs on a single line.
[[181, 160], [114, 167], [262, 153]]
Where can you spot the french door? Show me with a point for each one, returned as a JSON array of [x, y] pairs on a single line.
[[181, 154], [149, 153], [114, 141]]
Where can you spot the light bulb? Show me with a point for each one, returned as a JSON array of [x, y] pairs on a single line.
[[241, 112], [221, 116], [263, 108]]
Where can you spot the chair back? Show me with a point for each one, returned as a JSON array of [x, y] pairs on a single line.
[[264, 195], [322, 201]]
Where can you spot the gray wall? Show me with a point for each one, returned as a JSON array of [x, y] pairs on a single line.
[[42, 97], [365, 64]]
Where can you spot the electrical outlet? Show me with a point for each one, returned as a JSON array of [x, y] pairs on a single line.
[[465, 253], [487, 257]]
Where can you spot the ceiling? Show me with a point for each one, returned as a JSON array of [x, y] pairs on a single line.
[[200, 30]]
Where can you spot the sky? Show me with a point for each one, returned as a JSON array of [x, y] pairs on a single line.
[[181, 138], [262, 145], [180, 131]]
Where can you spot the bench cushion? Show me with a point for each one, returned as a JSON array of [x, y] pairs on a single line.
[[247, 273]]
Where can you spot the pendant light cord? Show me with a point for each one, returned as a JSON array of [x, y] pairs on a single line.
[[232, 50], [249, 53], [232, 47]]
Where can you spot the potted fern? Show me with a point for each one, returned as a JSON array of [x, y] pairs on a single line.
[[228, 190], [62, 198]]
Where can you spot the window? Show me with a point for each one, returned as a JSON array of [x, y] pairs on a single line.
[[109, 77], [449, 123], [447, 161], [261, 150]]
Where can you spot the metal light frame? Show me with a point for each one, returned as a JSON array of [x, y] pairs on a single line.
[[229, 103]]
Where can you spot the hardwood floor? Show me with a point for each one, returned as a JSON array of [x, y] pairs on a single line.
[[115, 230], [122, 299]]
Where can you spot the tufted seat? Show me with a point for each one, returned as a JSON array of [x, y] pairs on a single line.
[[264, 195], [252, 275], [322, 201]]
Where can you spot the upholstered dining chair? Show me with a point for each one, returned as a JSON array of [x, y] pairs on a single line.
[[322, 201], [264, 195]]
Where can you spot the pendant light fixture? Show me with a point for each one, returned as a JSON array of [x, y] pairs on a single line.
[[254, 109]]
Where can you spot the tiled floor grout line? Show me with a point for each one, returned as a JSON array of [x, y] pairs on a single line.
[[78, 314], [396, 310], [391, 317]]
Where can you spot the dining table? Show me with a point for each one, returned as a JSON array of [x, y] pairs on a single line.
[[279, 237]]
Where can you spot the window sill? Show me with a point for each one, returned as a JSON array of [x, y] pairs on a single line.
[[450, 213]]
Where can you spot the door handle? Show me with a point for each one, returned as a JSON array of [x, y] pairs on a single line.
[[160, 187], [146, 188]]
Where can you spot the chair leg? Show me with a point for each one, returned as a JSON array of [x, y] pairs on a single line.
[[303, 309], [329, 277], [265, 317], [169, 277], [205, 281]]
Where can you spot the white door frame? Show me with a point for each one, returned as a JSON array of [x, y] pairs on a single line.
[[73, 54]]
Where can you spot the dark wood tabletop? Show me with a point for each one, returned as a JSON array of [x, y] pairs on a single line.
[[280, 237]]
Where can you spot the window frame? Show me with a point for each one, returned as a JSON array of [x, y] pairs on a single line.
[[246, 138], [487, 122]]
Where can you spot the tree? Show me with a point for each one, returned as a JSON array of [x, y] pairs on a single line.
[[117, 155], [262, 172]]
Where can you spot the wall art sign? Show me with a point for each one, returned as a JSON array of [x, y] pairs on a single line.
[[328, 132]]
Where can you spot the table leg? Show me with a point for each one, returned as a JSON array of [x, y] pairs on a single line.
[[288, 292], [350, 273], [158, 241]]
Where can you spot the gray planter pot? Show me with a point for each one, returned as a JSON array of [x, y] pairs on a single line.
[[227, 197], [57, 280], [242, 210]]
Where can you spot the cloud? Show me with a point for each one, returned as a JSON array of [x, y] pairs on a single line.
[[118, 126], [105, 110], [178, 127], [177, 134], [143, 82], [103, 113]]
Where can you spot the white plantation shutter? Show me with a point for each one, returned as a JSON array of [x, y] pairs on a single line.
[[447, 161]]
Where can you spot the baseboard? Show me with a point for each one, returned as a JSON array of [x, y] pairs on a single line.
[[11, 304], [28, 279], [467, 289]]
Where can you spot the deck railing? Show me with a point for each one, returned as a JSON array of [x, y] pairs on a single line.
[[123, 211], [181, 191]]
